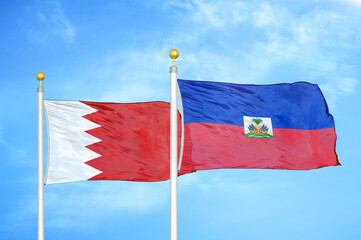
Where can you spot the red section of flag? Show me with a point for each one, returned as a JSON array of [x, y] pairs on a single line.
[[214, 146], [134, 142]]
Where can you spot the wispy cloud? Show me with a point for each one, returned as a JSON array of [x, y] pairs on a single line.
[[356, 3], [210, 13], [85, 205], [267, 16], [309, 41], [12, 149], [80, 204], [276, 44], [335, 88], [137, 75], [243, 197], [313, 45], [52, 22]]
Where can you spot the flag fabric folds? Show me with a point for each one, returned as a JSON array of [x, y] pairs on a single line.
[[281, 126], [108, 141]]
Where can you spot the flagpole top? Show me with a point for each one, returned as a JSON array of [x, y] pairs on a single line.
[[173, 54], [40, 76]]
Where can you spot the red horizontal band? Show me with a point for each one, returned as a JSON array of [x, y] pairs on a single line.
[[214, 146]]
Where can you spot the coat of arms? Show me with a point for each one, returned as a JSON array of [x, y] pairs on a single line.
[[258, 127]]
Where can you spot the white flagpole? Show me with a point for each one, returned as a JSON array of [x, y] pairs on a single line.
[[40, 76], [173, 148]]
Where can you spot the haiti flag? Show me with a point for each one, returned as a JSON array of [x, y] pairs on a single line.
[[280, 126]]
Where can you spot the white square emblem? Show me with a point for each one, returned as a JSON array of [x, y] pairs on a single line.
[[257, 127]]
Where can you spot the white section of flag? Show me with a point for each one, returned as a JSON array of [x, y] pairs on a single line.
[[67, 153]]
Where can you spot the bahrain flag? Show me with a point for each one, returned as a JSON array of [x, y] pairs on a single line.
[[108, 141]]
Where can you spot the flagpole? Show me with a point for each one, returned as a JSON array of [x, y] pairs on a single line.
[[173, 148], [40, 76]]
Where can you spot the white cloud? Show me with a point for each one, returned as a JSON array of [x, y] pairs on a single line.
[[211, 13], [313, 44], [348, 85], [84, 205], [352, 2], [267, 16], [13, 151], [134, 75], [223, 187], [52, 22], [338, 87], [305, 41], [249, 44]]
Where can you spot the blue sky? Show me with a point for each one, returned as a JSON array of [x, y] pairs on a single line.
[[118, 51]]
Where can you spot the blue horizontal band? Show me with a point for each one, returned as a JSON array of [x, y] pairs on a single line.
[[299, 105]]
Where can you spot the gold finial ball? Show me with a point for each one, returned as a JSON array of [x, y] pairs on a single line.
[[173, 53], [40, 76]]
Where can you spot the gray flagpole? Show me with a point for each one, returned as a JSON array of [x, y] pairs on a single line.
[[173, 148], [40, 76]]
